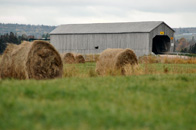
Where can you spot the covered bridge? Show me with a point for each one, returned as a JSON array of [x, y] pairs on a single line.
[[142, 37]]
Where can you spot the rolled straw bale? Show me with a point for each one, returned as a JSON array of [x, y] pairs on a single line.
[[114, 60], [68, 58], [79, 58], [31, 60]]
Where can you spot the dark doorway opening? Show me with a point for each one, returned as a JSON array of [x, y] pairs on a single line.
[[96, 47], [161, 44]]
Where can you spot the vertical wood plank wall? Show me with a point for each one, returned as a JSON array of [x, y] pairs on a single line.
[[86, 43]]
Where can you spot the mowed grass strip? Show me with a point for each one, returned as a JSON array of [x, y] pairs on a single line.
[[164, 102]]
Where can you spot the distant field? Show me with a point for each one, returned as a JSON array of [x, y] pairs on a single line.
[[162, 96]]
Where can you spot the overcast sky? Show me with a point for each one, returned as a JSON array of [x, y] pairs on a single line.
[[176, 13]]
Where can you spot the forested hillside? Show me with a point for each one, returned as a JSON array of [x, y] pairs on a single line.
[[35, 30], [185, 30]]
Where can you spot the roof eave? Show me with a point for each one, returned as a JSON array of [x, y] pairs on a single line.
[[97, 33]]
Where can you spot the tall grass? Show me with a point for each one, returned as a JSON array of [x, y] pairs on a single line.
[[79, 70], [178, 60], [91, 57], [167, 60], [88, 69]]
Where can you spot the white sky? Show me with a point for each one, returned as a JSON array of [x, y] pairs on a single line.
[[176, 13]]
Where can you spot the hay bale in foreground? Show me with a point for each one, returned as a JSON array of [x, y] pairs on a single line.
[[79, 58], [113, 60], [31, 60], [68, 58]]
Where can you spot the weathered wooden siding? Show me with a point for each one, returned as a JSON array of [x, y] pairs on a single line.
[[161, 28], [86, 43]]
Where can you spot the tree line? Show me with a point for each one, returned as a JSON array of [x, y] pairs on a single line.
[[182, 45], [10, 38], [191, 49], [15, 39]]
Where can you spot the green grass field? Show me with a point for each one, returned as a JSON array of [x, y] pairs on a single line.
[[157, 99]]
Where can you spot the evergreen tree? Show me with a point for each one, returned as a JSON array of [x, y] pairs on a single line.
[[9, 38], [192, 49], [13, 38]]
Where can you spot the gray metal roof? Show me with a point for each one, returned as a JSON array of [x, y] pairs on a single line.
[[124, 27]]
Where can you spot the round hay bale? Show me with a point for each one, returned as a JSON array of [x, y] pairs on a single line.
[[31, 60], [79, 58], [68, 58], [114, 60]]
